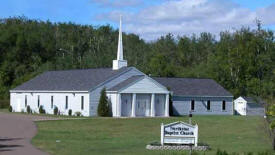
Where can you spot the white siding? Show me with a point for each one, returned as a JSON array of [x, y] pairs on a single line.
[[113, 99], [145, 85], [59, 100]]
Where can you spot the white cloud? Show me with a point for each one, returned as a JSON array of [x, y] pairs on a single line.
[[185, 17]]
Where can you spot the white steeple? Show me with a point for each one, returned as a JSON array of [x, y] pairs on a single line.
[[119, 63], [120, 45]]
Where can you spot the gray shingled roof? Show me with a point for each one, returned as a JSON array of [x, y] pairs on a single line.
[[193, 86], [70, 80], [126, 83]]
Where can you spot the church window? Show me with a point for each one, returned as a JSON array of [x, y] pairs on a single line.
[[51, 101], [38, 101], [26, 101], [192, 105], [223, 105], [82, 102], [208, 105], [66, 104]]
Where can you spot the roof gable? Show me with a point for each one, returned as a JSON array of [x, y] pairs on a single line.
[[139, 84]]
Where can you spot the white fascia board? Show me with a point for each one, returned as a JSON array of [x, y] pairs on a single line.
[[199, 96], [46, 91], [130, 84], [111, 92], [110, 79], [145, 76], [155, 82]]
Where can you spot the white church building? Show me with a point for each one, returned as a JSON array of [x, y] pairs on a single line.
[[131, 92]]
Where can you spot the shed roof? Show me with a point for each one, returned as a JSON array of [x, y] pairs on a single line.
[[70, 80], [193, 86], [253, 100]]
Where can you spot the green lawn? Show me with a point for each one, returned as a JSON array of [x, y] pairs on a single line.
[[130, 136]]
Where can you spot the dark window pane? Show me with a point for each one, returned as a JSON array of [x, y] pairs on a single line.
[[26, 101], [66, 105], [38, 101], [51, 101], [192, 105], [82, 102], [208, 105], [223, 105]]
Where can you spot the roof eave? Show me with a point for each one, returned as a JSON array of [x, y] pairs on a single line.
[[52, 91], [200, 96]]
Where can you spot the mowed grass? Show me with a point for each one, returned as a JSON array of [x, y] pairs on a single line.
[[130, 136]]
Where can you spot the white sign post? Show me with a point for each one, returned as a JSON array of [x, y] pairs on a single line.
[[179, 133]]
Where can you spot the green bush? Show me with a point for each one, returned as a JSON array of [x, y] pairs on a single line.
[[42, 110], [103, 107], [55, 111], [219, 152], [70, 112], [10, 108], [78, 113], [4, 104], [29, 109], [272, 125]]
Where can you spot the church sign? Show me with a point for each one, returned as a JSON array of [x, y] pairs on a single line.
[[179, 133]]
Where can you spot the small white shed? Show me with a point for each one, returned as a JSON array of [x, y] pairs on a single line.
[[249, 106]]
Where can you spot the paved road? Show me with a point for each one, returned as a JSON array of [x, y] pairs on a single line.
[[16, 132]]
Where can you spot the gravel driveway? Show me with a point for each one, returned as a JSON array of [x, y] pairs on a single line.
[[16, 132]]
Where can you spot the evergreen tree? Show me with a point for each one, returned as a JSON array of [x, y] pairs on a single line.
[[103, 107]]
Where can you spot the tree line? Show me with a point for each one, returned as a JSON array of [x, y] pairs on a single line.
[[242, 61]]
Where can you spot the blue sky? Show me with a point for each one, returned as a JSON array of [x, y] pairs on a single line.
[[149, 18]]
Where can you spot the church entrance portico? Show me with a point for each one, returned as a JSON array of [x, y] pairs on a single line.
[[143, 104], [139, 96], [160, 104], [126, 105]]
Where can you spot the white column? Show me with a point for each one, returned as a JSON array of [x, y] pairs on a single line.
[[133, 113], [167, 106], [153, 105], [161, 134], [196, 134], [118, 105]]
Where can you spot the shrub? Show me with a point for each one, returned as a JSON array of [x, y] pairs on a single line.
[[70, 112], [10, 108], [78, 113], [4, 104], [55, 111], [29, 109], [42, 110], [272, 125], [103, 108], [219, 152]]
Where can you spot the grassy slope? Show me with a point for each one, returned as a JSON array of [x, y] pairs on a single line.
[[130, 136]]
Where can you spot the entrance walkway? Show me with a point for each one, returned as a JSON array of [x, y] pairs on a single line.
[[16, 132]]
